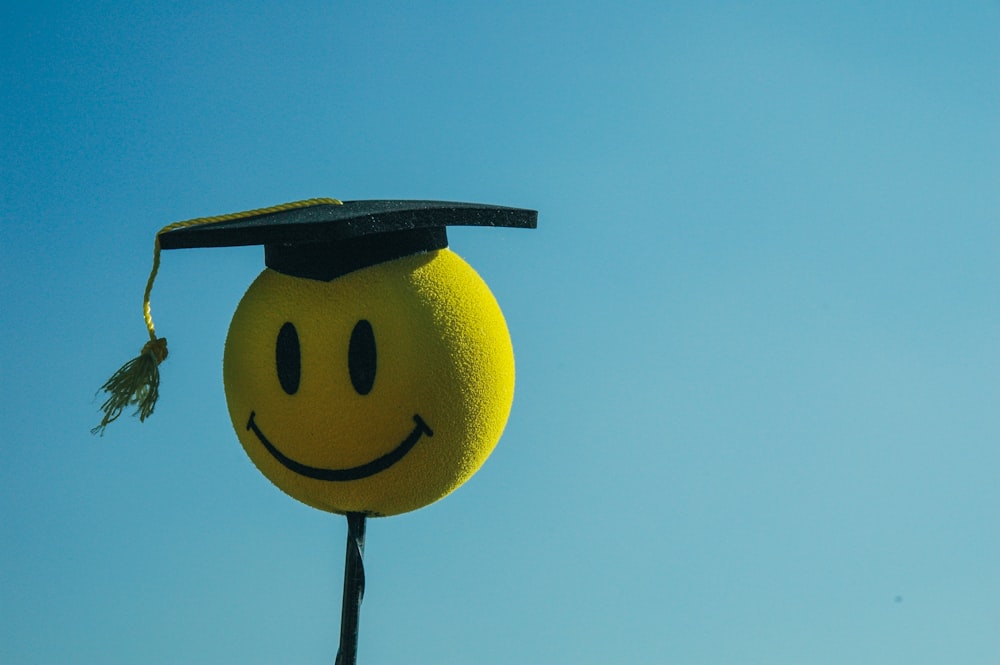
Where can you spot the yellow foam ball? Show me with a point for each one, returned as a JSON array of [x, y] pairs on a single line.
[[378, 392]]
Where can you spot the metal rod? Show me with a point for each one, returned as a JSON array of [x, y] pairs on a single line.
[[354, 589]]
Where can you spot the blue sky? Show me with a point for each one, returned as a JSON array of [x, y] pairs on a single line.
[[756, 330]]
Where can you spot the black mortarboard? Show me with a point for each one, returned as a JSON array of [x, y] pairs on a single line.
[[327, 239]]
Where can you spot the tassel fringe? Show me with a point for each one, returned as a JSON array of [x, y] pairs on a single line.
[[136, 384]]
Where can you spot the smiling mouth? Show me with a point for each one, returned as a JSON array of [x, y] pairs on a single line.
[[353, 473]]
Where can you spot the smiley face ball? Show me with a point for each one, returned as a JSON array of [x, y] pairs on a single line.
[[378, 392]]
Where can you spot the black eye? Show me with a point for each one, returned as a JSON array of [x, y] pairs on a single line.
[[361, 357], [288, 358]]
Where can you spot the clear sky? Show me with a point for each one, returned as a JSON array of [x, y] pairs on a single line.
[[757, 330]]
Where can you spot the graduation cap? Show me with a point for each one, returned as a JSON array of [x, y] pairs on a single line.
[[325, 238], [318, 239]]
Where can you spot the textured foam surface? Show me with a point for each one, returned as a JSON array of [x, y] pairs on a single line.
[[378, 392]]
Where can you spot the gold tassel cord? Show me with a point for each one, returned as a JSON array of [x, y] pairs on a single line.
[[137, 382]]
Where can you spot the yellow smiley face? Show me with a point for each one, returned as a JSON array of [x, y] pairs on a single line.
[[378, 392]]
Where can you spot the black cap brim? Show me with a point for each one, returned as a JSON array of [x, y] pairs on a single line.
[[326, 240]]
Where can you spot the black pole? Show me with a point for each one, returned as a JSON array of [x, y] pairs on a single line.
[[354, 589]]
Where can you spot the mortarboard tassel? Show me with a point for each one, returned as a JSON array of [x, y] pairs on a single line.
[[137, 382]]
